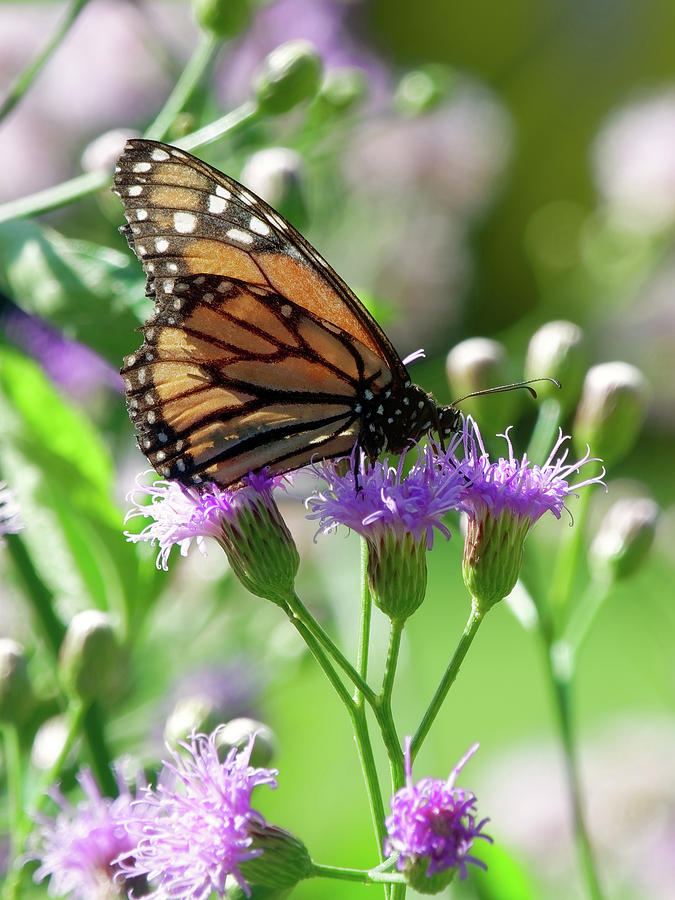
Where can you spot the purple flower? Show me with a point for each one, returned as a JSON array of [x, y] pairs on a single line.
[[433, 825], [80, 850], [199, 830], [502, 500], [521, 489], [387, 499], [74, 367], [10, 515], [246, 522], [396, 513], [182, 514]]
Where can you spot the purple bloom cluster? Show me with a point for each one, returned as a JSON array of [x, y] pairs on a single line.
[[181, 514], [512, 485], [179, 840], [387, 498], [434, 822], [82, 847], [198, 829]]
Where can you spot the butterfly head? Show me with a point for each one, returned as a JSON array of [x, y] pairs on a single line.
[[448, 421]]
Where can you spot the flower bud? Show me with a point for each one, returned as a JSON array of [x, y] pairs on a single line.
[[624, 538], [557, 350], [493, 556], [224, 18], [284, 861], [190, 714], [291, 73], [92, 662], [423, 89], [474, 365], [343, 88], [260, 548], [238, 732], [16, 691], [397, 572], [611, 410], [416, 876], [277, 175]]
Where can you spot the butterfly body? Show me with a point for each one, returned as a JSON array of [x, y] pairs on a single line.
[[257, 354]]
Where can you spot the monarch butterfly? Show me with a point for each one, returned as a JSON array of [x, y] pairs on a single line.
[[257, 353]]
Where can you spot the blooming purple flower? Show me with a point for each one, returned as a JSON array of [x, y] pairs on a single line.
[[433, 824], [182, 514], [81, 848], [199, 828], [388, 499], [503, 499], [522, 489]]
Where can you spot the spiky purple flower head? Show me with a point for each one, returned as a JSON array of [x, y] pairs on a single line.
[[503, 500], [245, 521], [81, 848], [200, 826], [396, 512], [432, 827]]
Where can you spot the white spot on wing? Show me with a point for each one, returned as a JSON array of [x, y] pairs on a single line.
[[184, 222], [223, 192], [159, 155], [217, 204], [238, 235], [259, 226], [142, 167], [161, 245], [141, 214]]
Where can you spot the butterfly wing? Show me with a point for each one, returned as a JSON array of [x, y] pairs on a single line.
[[187, 218], [230, 379]]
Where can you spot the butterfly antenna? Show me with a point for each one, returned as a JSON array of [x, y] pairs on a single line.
[[502, 388]]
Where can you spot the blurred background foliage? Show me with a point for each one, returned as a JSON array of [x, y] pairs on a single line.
[[479, 169]]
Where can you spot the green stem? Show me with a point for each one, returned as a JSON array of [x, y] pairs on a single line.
[[449, 676], [84, 185], [567, 563], [366, 616], [26, 78], [301, 612], [93, 726], [545, 430], [383, 711], [561, 683], [189, 80], [39, 595], [358, 718], [584, 614], [365, 877], [12, 883], [13, 775]]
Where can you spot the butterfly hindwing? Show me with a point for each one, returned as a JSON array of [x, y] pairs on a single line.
[[231, 378], [186, 218]]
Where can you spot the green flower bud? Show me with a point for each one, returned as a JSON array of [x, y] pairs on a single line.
[[558, 350], [16, 691], [260, 548], [190, 714], [397, 572], [624, 538], [611, 410], [284, 861], [493, 556], [237, 733], [49, 742], [224, 18], [277, 175], [474, 365], [416, 876], [343, 88], [291, 73], [92, 662], [423, 89]]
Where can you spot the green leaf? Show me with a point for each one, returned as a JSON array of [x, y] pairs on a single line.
[[63, 476], [92, 293]]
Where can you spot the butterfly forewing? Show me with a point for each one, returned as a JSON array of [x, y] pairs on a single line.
[[230, 380], [186, 218]]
